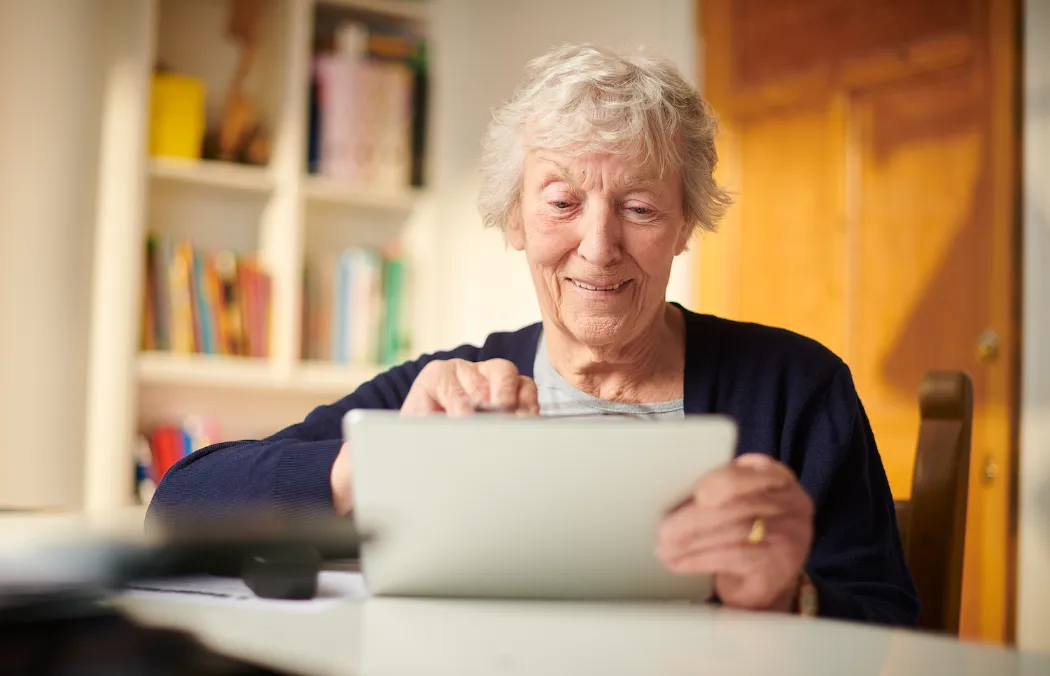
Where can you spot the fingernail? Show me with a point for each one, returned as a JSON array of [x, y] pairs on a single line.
[[755, 460]]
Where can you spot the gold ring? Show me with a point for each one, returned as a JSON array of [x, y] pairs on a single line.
[[758, 531]]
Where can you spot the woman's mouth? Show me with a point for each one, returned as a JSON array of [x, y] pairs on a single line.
[[599, 288]]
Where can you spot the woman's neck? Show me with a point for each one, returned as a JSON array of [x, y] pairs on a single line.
[[649, 368]]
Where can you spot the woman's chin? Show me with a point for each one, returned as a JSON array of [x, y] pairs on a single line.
[[596, 330]]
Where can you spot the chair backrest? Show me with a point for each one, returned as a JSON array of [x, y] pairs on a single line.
[[933, 521]]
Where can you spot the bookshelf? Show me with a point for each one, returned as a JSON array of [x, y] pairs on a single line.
[[247, 373], [165, 368], [412, 10], [324, 191], [211, 174], [277, 212]]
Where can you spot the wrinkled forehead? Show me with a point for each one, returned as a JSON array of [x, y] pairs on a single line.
[[592, 169]]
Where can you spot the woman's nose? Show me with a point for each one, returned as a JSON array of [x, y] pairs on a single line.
[[601, 239]]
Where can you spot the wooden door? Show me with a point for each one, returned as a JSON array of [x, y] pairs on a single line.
[[870, 146]]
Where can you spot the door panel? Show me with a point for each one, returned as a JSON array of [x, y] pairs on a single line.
[[791, 271], [775, 38], [920, 262], [870, 146]]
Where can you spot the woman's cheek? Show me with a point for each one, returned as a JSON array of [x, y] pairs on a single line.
[[551, 242], [549, 256], [550, 225], [654, 250]]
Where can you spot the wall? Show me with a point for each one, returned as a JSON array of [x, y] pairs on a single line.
[[50, 56], [481, 49], [1033, 588], [49, 174]]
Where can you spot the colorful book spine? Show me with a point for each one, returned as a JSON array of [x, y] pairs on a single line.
[[145, 475], [179, 284], [149, 310], [165, 445], [313, 142], [390, 350], [325, 309], [366, 302], [197, 301], [341, 321], [368, 108], [202, 315], [355, 308], [216, 307], [341, 80]]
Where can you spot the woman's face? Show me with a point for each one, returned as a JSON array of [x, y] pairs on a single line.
[[599, 233]]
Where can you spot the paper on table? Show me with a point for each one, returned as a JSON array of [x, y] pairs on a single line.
[[332, 587]]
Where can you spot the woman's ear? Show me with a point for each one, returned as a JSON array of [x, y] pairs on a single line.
[[683, 239], [515, 232]]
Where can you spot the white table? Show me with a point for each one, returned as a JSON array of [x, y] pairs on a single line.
[[464, 638]]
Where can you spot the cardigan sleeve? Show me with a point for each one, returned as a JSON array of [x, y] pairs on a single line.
[[288, 473], [856, 563]]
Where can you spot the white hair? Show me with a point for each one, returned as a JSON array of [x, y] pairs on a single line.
[[582, 99]]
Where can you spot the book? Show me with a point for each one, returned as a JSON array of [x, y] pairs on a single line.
[[367, 115], [164, 445], [207, 302], [342, 87], [391, 342], [184, 337], [355, 308]]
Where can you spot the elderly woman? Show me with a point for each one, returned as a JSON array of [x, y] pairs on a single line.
[[600, 169]]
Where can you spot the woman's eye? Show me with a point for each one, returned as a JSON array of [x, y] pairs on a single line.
[[561, 205], [641, 211]]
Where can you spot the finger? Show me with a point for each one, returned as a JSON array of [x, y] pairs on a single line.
[[784, 535], [759, 591], [768, 560], [472, 381], [735, 482], [528, 396], [502, 377], [420, 402], [423, 397], [761, 463], [450, 394], [758, 461], [694, 519], [743, 577], [703, 533], [742, 560]]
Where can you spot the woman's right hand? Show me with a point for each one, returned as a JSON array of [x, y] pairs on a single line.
[[459, 387], [456, 387]]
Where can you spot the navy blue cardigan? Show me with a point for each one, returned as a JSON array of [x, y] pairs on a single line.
[[791, 397]]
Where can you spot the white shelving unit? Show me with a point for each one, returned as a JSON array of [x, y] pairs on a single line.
[[277, 211], [412, 10], [202, 370], [206, 173], [246, 373], [324, 191]]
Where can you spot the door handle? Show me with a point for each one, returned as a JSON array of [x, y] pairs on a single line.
[[987, 346], [990, 471]]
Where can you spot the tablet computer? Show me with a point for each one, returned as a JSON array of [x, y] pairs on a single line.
[[498, 506]]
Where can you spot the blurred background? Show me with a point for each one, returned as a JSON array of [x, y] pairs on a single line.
[[218, 214]]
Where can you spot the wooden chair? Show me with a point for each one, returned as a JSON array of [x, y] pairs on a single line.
[[933, 522]]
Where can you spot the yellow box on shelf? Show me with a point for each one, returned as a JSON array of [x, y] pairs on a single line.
[[176, 116]]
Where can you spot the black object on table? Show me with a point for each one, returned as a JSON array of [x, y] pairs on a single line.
[[68, 628]]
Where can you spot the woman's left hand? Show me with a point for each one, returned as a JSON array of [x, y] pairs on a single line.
[[754, 566]]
